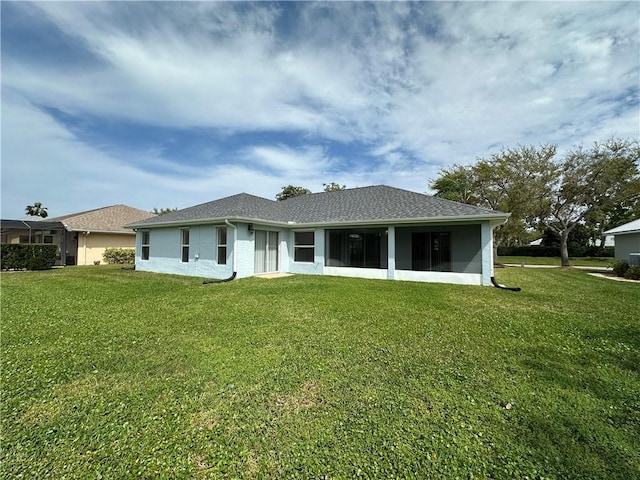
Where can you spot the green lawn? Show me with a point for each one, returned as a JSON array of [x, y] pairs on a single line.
[[109, 373], [574, 262]]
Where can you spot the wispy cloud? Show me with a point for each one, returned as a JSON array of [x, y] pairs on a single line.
[[255, 96]]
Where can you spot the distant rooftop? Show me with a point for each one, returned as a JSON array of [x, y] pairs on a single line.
[[106, 219]]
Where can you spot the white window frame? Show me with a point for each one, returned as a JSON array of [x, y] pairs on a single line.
[[297, 247], [143, 245], [184, 245], [222, 246]]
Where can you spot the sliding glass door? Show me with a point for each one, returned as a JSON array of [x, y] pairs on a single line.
[[266, 251]]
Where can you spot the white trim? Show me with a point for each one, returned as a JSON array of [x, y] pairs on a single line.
[[439, 277], [495, 219], [374, 273], [406, 275]]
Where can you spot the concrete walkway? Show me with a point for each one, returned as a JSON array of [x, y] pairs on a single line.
[[578, 267]]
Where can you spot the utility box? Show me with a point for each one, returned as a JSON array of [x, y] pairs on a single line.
[[634, 259]]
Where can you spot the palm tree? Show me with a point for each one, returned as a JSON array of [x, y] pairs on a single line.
[[37, 210]]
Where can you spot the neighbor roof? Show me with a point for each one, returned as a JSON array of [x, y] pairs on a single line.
[[631, 227], [106, 220], [373, 204], [30, 224]]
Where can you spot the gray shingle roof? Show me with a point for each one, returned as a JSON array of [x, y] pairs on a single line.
[[374, 203], [356, 205], [243, 206]]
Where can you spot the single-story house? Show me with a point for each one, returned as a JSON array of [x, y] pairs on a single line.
[[90, 233], [626, 241], [371, 232], [81, 237]]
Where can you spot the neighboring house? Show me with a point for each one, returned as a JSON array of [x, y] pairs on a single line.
[[372, 232], [608, 242], [81, 237], [35, 231], [626, 240], [90, 233]]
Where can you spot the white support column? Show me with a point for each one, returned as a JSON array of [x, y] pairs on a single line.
[[486, 239], [391, 253]]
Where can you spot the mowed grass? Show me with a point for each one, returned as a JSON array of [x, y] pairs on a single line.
[[109, 373]]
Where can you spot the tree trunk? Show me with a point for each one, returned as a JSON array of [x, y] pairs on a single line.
[[564, 249]]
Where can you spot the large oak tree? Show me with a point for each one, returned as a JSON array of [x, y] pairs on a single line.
[[599, 186]]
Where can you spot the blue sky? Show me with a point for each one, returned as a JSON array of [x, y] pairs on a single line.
[[173, 104]]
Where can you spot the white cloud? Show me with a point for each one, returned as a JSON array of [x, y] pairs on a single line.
[[415, 86], [47, 163]]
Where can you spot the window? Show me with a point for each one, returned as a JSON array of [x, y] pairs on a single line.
[[355, 248], [185, 245], [431, 251], [145, 245], [303, 246], [222, 245]]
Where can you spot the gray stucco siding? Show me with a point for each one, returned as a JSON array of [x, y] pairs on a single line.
[[466, 254], [625, 244], [165, 252], [309, 268]]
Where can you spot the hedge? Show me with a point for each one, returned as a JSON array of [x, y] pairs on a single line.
[[30, 256], [539, 251], [623, 269], [119, 256]]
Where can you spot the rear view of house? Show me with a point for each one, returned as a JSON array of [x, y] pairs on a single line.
[[371, 232]]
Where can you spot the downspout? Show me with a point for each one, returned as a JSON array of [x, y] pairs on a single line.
[[495, 282], [235, 257]]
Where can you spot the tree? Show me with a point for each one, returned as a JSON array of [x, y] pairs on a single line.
[[37, 210], [457, 184], [162, 211], [579, 237], [592, 185], [597, 187], [290, 191], [515, 180], [333, 187], [623, 204]]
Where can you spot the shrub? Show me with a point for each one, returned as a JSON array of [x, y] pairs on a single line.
[[32, 256], [620, 268], [540, 251], [529, 251], [119, 256], [632, 273]]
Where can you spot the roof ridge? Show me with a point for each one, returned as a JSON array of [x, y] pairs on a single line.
[[372, 203], [77, 214]]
